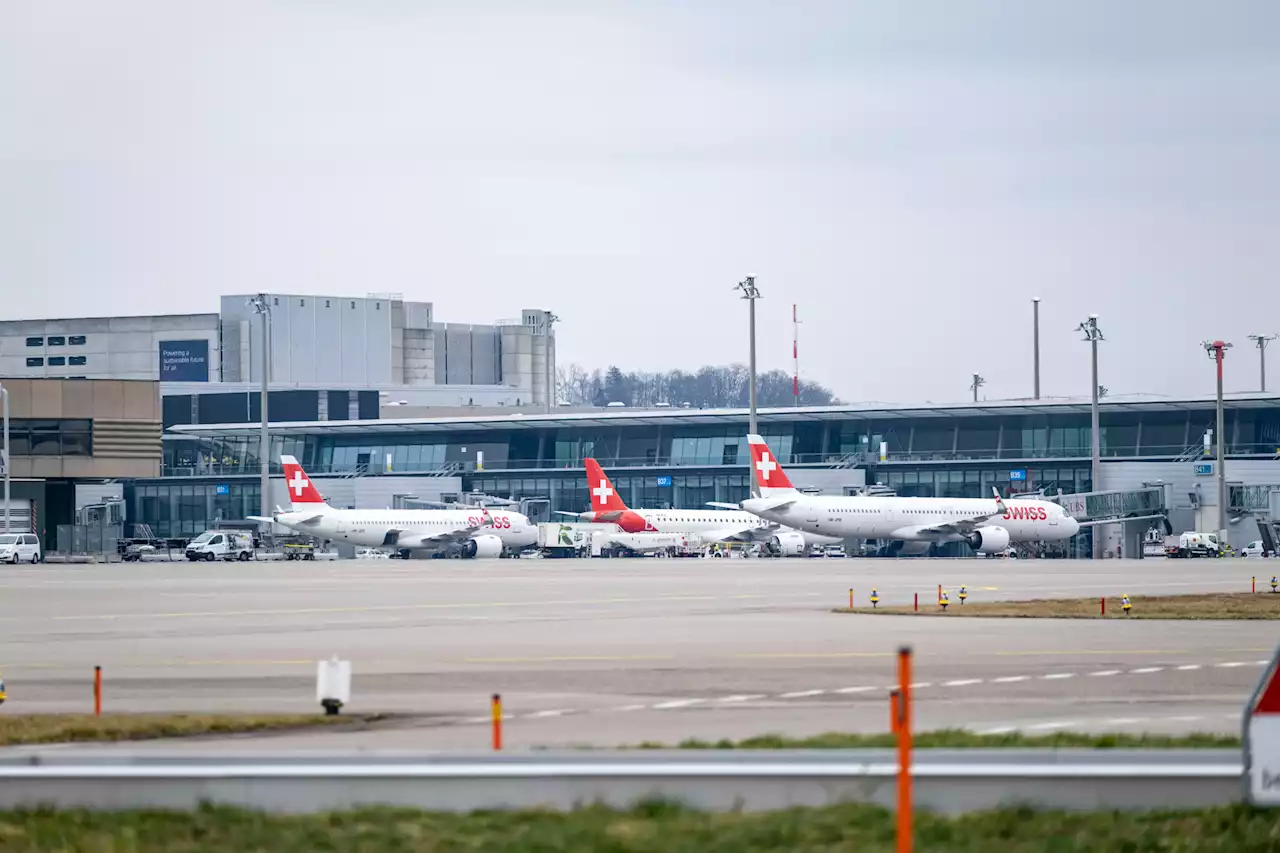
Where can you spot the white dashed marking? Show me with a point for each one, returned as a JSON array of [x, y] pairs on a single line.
[[1010, 679], [801, 694], [1231, 664], [677, 703], [1187, 667], [550, 713], [855, 689], [1058, 675], [1125, 721], [1103, 672], [626, 708], [919, 684], [962, 682], [999, 730], [1146, 669], [743, 698]]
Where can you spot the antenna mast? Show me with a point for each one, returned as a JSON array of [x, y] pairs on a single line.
[[795, 353]]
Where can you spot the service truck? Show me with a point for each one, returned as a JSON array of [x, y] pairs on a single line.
[[221, 545], [1193, 544]]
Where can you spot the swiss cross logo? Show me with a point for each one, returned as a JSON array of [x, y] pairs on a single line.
[[765, 466], [603, 491], [298, 482]]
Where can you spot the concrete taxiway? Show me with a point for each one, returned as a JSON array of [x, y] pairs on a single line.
[[608, 652]]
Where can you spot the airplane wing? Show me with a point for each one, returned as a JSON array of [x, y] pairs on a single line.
[[445, 537], [965, 526], [310, 519], [740, 534]]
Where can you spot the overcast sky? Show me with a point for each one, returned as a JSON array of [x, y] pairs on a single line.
[[910, 174]]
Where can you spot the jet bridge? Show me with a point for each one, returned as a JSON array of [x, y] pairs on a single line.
[[1134, 510]]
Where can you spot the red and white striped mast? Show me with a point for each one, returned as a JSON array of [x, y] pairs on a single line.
[[795, 353]]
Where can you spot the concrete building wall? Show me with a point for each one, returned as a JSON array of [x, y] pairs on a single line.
[[125, 426], [112, 348]]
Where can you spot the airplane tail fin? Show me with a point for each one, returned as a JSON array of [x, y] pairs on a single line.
[[302, 494], [767, 474], [604, 497]]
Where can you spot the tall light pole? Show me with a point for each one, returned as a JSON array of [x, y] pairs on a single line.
[[751, 293], [1261, 342], [1093, 334], [263, 308], [1035, 326], [1216, 350], [547, 319], [4, 458], [977, 383]]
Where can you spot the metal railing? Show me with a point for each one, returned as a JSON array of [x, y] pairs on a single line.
[[82, 540], [946, 780]]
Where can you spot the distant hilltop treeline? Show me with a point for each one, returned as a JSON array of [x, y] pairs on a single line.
[[708, 388]]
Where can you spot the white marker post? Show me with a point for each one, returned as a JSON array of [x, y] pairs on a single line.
[[333, 684], [1262, 738]]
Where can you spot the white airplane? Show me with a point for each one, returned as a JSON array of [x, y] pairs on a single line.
[[909, 525], [474, 532], [720, 525]]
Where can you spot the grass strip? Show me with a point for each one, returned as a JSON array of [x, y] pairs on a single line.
[[18, 729], [1230, 605], [653, 827], [964, 739]]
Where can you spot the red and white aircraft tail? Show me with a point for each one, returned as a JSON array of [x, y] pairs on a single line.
[[771, 481], [302, 493], [604, 497]]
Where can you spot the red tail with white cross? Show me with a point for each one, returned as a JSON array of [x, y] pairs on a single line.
[[604, 497], [298, 484], [770, 479]]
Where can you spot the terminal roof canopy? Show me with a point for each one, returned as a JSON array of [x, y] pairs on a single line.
[[696, 417]]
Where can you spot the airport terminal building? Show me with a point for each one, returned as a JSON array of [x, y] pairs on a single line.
[[684, 458]]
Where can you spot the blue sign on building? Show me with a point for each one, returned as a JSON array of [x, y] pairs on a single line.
[[222, 489], [1020, 474], [664, 481], [184, 361], [1204, 469]]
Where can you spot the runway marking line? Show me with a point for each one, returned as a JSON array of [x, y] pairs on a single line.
[[1105, 672], [801, 694], [1146, 669], [1054, 676]]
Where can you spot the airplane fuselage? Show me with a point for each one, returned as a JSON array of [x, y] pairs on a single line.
[[372, 528], [696, 522], [909, 519]]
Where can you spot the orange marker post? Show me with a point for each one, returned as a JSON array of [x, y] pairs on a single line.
[[894, 711], [97, 691], [1253, 585], [1103, 601], [904, 749], [497, 722], [915, 604], [850, 599], [939, 593]]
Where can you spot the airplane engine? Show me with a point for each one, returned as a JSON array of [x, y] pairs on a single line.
[[787, 544], [989, 540], [483, 547]]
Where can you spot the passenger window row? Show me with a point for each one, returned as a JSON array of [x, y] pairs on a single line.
[[58, 361]]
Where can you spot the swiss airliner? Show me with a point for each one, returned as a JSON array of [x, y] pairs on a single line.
[[908, 525], [719, 525], [471, 532]]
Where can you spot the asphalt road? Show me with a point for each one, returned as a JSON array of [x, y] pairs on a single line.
[[608, 652]]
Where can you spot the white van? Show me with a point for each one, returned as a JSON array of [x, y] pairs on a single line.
[[221, 545], [20, 548]]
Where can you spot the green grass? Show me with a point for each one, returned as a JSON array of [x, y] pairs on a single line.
[[16, 729], [962, 739], [650, 828]]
